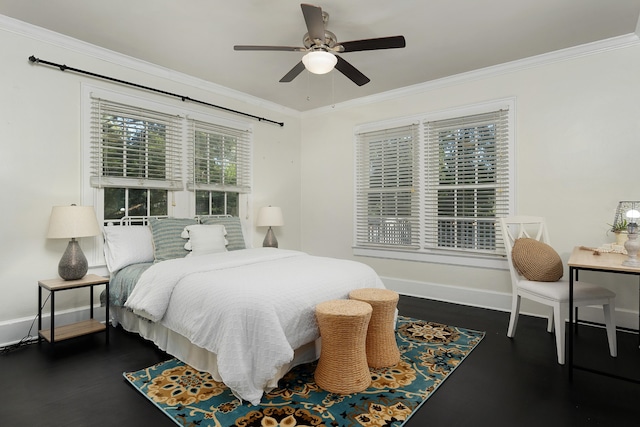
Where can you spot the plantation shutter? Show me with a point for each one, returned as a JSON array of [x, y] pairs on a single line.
[[467, 175], [219, 158], [387, 188], [133, 147]]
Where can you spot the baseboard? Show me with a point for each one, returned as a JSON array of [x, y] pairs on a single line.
[[497, 301], [12, 331]]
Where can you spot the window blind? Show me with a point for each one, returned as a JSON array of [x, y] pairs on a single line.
[[219, 158], [133, 147], [387, 188], [467, 178]]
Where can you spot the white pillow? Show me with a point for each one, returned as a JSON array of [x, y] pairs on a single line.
[[126, 245], [205, 239]]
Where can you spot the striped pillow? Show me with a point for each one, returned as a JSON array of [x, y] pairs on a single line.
[[234, 230], [167, 243]]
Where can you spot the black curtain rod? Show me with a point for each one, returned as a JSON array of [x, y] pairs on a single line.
[[63, 67]]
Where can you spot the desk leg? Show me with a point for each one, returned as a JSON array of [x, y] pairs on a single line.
[[91, 302], [53, 295], [571, 273], [39, 313], [575, 310], [106, 320]]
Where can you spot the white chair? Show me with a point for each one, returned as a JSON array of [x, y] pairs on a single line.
[[554, 294]]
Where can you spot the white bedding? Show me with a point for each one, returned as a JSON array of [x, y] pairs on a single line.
[[251, 308]]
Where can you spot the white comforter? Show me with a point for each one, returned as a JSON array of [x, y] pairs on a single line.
[[251, 308]]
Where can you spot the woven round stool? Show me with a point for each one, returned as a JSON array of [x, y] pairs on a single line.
[[382, 349], [342, 367]]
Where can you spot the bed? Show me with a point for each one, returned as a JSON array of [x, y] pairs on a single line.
[[245, 315]]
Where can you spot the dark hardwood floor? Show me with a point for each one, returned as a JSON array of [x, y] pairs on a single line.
[[503, 382]]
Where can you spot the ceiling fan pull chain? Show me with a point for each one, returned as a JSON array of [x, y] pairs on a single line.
[[333, 90]]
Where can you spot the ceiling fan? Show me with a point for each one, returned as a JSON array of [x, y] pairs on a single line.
[[322, 45]]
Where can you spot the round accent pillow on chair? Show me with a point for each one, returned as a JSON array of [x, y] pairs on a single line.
[[536, 261]]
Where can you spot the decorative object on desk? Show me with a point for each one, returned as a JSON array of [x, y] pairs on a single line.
[[619, 228], [605, 248], [430, 352], [270, 216], [72, 222], [632, 245], [620, 224]]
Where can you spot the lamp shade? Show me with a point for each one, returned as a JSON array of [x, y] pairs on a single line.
[[627, 215], [270, 216], [319, 61], [633, 215], [626, 212], [73, 221]]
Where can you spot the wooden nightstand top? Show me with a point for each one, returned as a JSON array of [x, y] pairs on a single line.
[[59, 283]]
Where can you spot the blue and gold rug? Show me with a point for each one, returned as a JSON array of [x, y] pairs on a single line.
[[429, 353]]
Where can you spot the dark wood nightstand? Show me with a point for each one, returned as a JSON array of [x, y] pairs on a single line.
[[90, 326]]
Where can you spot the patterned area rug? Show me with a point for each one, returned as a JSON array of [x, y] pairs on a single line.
[[429, 353]]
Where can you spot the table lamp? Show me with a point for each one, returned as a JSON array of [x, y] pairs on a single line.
[[630, 212], [270, 216], [72, 222]]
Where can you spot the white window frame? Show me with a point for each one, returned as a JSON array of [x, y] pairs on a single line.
[[423, 253]]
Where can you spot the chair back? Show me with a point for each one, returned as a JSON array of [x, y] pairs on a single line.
[[516, 227]]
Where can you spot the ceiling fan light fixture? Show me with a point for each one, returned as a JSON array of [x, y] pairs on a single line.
[[319, 61]]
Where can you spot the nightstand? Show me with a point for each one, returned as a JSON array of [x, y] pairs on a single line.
[[85, 327]]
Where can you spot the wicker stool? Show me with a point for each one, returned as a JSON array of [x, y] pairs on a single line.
[[342, 367], [382, 349]]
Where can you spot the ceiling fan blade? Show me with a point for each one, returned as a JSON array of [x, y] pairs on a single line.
[[351, 72], [282, 48], [315, 24], [293, 73], [393, 42]]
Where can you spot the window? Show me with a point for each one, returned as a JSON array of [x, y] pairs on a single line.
[[139, 152], [121, 202], [136, 158], [466, 165], [434, 189], [134, 147], [386, 193], [217, 203], [219, 167]]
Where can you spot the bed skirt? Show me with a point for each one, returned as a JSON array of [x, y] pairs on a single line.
[[199, 358]]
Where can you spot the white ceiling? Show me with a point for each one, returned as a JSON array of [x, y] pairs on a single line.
[[444, 37]]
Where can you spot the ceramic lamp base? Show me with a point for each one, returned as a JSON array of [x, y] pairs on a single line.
[[632, 246], [270, 240], [73, 264]]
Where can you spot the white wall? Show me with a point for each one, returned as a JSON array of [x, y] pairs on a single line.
[[577, 136], [577, 133], [41, 156]]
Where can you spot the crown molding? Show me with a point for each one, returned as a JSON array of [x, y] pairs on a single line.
[[84, 48], [567, 54], [69, 43]]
